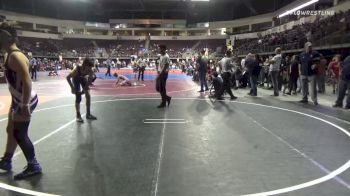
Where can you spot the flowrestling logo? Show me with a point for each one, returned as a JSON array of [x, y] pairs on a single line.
[[313, 13]]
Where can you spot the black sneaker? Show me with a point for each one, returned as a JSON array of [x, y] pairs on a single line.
[[168, 101], [337, 106], [5, 164], [91, 117], [29, 171], [304, 101], [161, 105], [347, 107], [315, 103], [234, 98]]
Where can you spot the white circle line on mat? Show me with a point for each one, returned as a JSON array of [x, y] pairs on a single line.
[[325, 178]]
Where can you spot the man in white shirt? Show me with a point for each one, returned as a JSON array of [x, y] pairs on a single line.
[[275, 64], [163, 69]]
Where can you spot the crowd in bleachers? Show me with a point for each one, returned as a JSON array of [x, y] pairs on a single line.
[[333, 26], [111, 48]]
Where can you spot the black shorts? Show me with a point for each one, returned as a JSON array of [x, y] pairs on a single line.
[[80, 84]]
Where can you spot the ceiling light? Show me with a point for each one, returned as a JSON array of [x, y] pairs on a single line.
[[297, 8]]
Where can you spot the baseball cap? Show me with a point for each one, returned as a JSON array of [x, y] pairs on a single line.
[[308, 44]]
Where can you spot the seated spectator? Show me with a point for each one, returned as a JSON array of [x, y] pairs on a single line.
[[217, 83]]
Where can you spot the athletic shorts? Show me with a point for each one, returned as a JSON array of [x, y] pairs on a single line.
[[80, 83], [16, 108]]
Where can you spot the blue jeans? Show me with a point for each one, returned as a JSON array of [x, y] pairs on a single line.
[[253, 85], [274, 80]]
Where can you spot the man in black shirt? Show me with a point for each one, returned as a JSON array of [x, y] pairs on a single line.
[[308, 67], [203, 64]]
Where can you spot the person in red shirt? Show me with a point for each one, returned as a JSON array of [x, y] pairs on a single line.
[[334, 71]]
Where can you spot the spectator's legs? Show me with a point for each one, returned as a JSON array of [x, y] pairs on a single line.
[[348, 96], [217, 87], [304, 87], [202, 76], [226, 77], [300, 85], [294, 84], [279, 81], [253, 83], [313, 84], [267, 78], [320, 83], [290, 85], [335, 84], [323, 83], [274, 79], [341, 93]]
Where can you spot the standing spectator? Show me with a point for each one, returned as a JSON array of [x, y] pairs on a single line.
[[34, 66], [266, 68], [275, 70], [308, 67], [344, 85], [226, 65], [202, 68], [293, 75], [253, 66], [321, 75], [333, 68]]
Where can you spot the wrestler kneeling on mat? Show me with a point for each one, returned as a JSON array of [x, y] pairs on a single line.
[[81, 75], [122, 80]]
